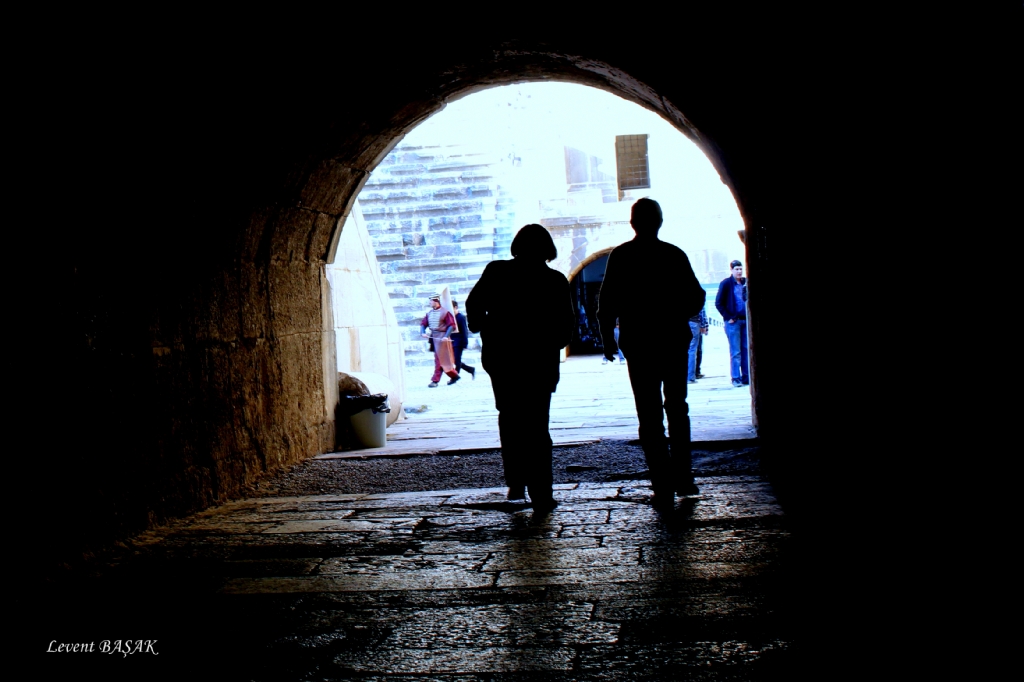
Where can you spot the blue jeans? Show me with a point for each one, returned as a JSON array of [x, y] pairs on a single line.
[[622, 357], [737, 335], [691, 362]]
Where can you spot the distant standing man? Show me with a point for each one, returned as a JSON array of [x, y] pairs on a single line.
[[460, 341], [700, 343], [698, 327], [651, 337], [732, 305], [622, 358], [441, 325]]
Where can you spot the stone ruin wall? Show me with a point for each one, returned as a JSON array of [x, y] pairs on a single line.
[[436, 216]]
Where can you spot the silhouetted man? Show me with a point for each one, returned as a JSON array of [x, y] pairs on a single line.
[[698, 327], [704, 325], [731, 302], [650, 287]]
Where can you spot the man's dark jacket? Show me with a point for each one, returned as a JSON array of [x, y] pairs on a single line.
[[650, 288], [726, 302], [460, 339]]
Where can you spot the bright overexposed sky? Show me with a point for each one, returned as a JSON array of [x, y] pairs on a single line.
[[536, 120]]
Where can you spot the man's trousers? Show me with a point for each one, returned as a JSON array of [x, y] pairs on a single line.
[[650, 373]]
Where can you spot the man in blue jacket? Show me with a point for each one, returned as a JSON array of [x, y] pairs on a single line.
[[732, 305]]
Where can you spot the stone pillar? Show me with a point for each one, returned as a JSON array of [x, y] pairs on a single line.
[[365, 326], [329, 349]]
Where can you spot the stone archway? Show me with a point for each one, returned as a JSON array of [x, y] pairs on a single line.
[[591, 257], [331, 186], [223, 370], [576, 238], [586, 319]]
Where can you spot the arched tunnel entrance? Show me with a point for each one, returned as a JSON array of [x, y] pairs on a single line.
[[203, 386], [226, 371], [449, 198]]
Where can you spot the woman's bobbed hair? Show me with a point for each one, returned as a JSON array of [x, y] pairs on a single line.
[[534, 242]]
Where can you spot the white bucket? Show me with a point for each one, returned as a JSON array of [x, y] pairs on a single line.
[[378, 383], [369, 427]]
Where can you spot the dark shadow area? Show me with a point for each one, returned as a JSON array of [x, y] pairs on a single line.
[[594, 589], [593, 463]]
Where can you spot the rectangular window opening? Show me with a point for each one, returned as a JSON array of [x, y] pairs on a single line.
[[631, 162]]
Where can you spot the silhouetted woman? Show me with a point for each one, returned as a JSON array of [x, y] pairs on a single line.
[[523, 312]]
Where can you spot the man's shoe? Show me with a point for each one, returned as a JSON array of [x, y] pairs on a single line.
[[691, 381], [472, 371], [516, 492], [685, 489], [699, 375], [745, 382], [662, 500], [736, 383], [432, 384], [604, 361], [544, 506], [453, 380]]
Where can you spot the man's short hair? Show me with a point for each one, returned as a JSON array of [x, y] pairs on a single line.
[[455, 303], [734, 264], [645, 216]]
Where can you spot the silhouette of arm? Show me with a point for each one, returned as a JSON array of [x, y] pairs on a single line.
[[696, 297], [609, 306], [563, 317], [478, 301]]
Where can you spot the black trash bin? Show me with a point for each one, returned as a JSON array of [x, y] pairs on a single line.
[[368, 415]]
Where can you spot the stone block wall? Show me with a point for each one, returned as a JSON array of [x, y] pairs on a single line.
[[367, 333], [436, 216]]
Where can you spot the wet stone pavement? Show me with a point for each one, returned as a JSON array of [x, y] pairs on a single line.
[[448, 585]]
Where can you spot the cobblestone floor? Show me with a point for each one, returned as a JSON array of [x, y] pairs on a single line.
[[445, 585]]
